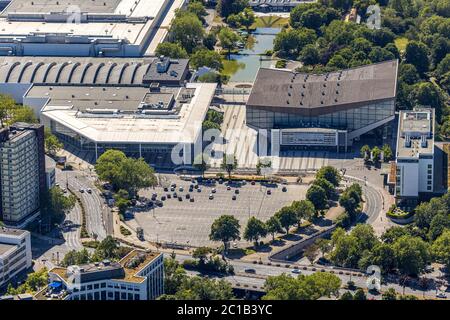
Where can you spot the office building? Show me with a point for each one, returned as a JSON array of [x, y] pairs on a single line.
[[15, 253], [276, 5], [414, 166], [138, 276], [22, 173]]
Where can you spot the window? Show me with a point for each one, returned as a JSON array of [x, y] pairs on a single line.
[[429, 188]]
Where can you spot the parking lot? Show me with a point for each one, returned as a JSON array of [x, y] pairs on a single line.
[[186, 222]]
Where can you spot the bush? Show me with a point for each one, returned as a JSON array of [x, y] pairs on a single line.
[[396, 213], [124, 231], [281, 64]]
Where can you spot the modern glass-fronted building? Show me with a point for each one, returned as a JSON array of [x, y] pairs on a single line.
[[310, 109]]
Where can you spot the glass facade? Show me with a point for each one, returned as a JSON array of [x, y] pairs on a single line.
[[349, 120]]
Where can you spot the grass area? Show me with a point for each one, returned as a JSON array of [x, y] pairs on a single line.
[[124, 231], [401, 43], [270, 22]]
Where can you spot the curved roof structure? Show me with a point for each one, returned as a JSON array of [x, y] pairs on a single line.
[[77, 71], [318, 94]]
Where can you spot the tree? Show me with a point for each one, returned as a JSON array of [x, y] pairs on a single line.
[[227, 7], [376, 154], [291, 42], [273, 226], [247, 18], [311, 287], [365, 152], [197, 288], [359, 295], [229, 164], [287, 217], [52, 144], [55, 204], [122, 200], [23, 114], [187, 30], [347, 295], [7, 106], [387, 152], [197, 8], [310, 55], [323, 245], [172, 50], [228, 39], [74, 257], [440, 248], [325, 185], [125, 173], [106, 249], [201, 163], [304, 209], [225, 229], [263, 166], [389, 294], [318, 196], [174, 276], [255, 230], [412, 254], [201, 254], [417, 54], [330, 174], [311, 253], [206, 58]]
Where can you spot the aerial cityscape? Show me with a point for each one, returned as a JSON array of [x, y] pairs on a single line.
[[232, 150]]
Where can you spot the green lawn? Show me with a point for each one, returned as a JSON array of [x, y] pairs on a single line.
[[401, 43], [270, 22]]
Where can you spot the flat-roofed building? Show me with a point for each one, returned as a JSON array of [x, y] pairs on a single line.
[[276, 5], [18, 74], [15, 253], [85, 27], [415, 156], [328, 110], [152, 123], [138, 276], [22, 173]]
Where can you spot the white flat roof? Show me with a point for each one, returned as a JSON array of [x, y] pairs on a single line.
[[132, 129]]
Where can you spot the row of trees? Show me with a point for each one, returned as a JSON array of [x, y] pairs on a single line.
[[323, 187], [375, 153], [106, 249]]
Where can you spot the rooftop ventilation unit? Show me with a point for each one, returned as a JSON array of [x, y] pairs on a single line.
[[423, 141], [408, 141]]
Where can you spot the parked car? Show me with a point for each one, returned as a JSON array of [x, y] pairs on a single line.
[[269, 192], [211, 196], [89, 190], [296, 271], [236, 191], [213, 190], [180, 199], [228, 188], [250, 271], [188, 196], [284, 189], [81, 190], [253, 183], [163, 198], [180, 189], [191, 199], [233, 197], [169, 196], [166, 189], [175, 195], [199, 190], [441, 295]]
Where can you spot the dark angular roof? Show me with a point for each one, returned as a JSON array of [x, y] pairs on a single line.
[[172, 70], [313, 94]]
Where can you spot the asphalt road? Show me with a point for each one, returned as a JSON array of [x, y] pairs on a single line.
[[93, 202], [256, 280]]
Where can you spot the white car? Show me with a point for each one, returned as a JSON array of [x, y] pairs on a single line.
[[82, 190], [441, 295], [296, 271], [211, 196]]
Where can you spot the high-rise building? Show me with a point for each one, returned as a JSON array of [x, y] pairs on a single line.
[[22, 173], [415, 156], [15, 253]]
